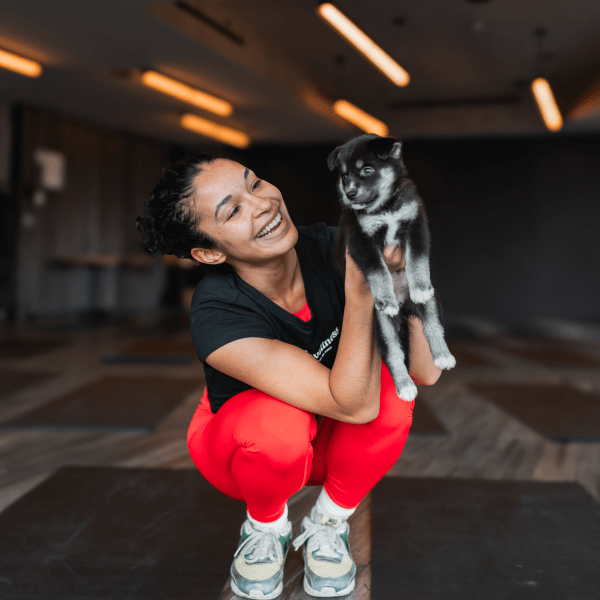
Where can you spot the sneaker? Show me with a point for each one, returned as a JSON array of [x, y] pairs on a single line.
[[329, 569], [257, 568]]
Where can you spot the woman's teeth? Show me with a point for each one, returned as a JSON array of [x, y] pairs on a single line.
[[267, 230]]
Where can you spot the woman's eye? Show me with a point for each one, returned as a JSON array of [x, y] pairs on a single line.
[[256, 184], [232, 213]]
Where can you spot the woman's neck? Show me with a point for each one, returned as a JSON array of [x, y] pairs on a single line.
[[281, 282]]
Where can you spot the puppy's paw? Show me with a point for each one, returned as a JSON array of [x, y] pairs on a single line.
[[389, 306], [407, 390], [446, 361], [420, 295]]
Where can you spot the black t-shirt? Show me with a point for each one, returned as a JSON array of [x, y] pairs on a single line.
[[226, 308]]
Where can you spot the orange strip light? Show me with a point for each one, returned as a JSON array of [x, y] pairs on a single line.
[[546, 104], [364, 44], [20, 65], [188, 94], [358, 117], [215, 131]]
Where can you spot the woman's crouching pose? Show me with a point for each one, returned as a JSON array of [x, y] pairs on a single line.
[[297, 393]]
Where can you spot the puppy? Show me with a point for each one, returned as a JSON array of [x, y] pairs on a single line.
[[381, 207]]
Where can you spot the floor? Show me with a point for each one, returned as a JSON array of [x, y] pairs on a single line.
[[483, 442]]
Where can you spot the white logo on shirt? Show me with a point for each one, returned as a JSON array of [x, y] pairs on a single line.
[[326, 345]]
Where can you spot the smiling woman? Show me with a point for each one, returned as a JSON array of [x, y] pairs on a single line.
[[295, 385]]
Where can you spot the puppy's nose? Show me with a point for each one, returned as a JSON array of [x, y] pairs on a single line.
[[351, 193]]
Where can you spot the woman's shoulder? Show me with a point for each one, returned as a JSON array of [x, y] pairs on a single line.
[[213, 286]]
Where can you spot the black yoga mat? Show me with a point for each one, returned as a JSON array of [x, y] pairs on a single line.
[[558, 412], [19, 348], [424, 421], [12, 380], [112, 403], [462, 539], [119, 534], [165, 350]]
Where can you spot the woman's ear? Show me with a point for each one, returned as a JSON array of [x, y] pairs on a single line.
[[332, 158]]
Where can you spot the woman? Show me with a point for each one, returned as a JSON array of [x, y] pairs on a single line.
[[297, 393]]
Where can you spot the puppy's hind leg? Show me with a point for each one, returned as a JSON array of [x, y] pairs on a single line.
[[390, 348]]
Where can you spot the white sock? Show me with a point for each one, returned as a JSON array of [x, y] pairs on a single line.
[[283, 519], [327, 505]]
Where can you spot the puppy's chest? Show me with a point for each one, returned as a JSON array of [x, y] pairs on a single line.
[[391, 221]]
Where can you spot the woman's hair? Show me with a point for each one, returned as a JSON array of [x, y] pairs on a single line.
[[172, 221]]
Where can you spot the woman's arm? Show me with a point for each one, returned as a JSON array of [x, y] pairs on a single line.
[[422, 367]]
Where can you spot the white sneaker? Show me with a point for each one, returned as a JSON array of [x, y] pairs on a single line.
[[329, 569], [257, 568]]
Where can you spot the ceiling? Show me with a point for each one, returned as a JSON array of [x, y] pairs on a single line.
[[281, 66]]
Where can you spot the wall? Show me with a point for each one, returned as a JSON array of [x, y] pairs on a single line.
[[514, 221], [108, 175]]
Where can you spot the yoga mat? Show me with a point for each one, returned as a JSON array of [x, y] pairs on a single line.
[[166, 350], [558, 412], [15, 348], [462, 539], [468, 358], [555, 357], [424, 421], [112, 403], [12, 380], [119, 534]]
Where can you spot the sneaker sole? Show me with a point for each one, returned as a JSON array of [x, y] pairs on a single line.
[[327, 592], [257, 593]]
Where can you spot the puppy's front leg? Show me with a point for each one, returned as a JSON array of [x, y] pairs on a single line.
[[417, 264], [382, 287]]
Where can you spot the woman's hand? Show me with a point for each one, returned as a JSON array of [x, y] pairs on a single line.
[[394, 258], [355, 280]]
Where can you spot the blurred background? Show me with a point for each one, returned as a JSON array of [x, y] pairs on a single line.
[[513, 202]]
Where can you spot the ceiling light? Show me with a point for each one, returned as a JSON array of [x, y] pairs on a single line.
[[358, 117], [547, 104], [364, 44], [184, 92], [18, 64], [214, 130]]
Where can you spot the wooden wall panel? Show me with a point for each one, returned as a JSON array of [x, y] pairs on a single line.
[[108, 175]]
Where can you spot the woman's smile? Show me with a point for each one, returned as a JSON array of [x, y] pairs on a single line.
[[274, 231]]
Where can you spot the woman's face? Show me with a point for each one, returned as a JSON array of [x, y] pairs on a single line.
[[236, 206]]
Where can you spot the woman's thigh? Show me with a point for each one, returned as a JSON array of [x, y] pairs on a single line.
[[349, 451], [251, 420]]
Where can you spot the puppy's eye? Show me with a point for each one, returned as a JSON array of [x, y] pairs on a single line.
[[344, 176], [367, 171]]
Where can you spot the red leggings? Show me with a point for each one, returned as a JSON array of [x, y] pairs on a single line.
[[261, 450]]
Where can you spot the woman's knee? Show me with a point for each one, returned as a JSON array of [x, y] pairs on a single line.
[[395, 416], [277, 430]]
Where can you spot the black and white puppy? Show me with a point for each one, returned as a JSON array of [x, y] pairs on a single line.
[[381, 207]]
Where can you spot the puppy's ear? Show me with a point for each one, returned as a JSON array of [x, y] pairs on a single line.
[[386, 147], [332, 158]]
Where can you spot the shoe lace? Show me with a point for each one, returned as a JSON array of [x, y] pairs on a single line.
[[262, 544], [329, 542]]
